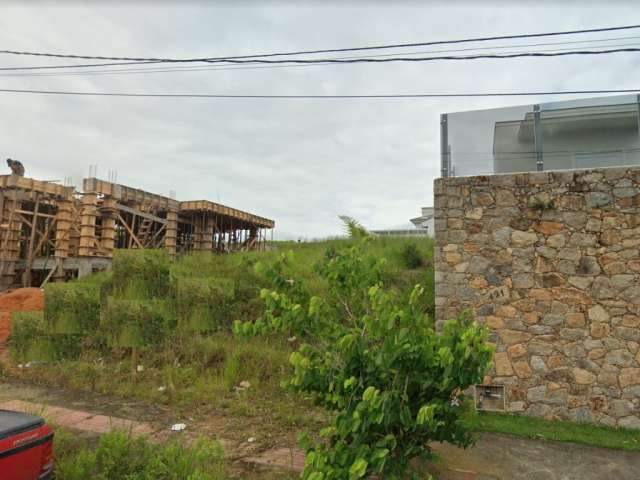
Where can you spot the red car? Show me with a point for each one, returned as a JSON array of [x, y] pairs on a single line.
[[26, 447]]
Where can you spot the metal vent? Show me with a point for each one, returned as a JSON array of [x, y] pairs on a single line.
[[490, 397]]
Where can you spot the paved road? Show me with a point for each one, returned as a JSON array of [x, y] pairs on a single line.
[[505, 457]]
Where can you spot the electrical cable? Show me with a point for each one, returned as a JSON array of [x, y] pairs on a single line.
[[494, 47], [219, 68], [313, 52], [373, 96]]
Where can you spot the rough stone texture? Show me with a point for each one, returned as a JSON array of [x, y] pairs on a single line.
[[550, 263]]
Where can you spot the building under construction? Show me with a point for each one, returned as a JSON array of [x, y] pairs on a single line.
[[50, 231]]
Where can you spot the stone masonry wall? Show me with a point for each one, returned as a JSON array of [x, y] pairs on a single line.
[[550, 262]]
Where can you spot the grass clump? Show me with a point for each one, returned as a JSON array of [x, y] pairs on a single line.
[[119, 456], [560, 431]]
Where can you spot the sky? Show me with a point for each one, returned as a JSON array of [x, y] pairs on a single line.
[[299, 162]]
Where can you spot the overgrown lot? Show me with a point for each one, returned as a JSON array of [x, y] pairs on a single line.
[[161, 331]]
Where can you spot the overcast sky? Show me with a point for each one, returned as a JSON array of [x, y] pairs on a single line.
[[299, 162]]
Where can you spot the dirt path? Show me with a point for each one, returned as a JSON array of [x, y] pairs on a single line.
[[495, 457]]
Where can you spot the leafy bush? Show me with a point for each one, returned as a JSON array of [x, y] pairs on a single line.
[[202, 302], [30, 339], [394, 383], [136, 323], [120, 456], [141, 273], [72, 308], [411, 256], [26, 329]]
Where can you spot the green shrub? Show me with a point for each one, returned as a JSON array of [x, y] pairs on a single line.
[[72, 308], [120, 456], [26, 329], [136, 323], [202, 302], [370, 355], [141, 273], [411, 256]]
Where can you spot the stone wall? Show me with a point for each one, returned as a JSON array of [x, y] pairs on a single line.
[[550, 262]]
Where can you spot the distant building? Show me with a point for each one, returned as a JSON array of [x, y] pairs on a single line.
[[419, 226]]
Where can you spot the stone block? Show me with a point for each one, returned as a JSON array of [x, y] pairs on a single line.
[[503, 365], [583, 377], [522, 369], [629, 377]]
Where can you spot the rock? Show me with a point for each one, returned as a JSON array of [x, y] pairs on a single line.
[[482, 199], [536, 394], [582, 239], [478, 264], [523, 239], [550, 280], [522, 369], [548, 228], [620, 408], [621, 358], [580, 415], [474, 213], [537, 363], [572, 254], [583, 377], [632, 334], [556, 241], [523, 280], [502, 236], [572, 333], [505, 198], [598, 314], [509, 337], [629, 422], [515, 407], [503, 364], [538, 410], [588, 266], [600, 330], [629, 376], [615, 268], [597, 199], [516, 351], [575, 320], [582, 283], [552, 319]]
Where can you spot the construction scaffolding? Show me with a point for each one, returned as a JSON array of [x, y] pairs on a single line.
[[52, 231]]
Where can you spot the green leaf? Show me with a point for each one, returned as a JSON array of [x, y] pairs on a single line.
[[358, 469]]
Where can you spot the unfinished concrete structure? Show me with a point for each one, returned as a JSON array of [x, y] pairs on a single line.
[[52, 231]]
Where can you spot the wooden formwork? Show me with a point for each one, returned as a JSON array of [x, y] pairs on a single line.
[[52, 231]]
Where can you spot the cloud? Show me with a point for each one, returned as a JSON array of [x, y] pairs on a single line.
[[299, 162]]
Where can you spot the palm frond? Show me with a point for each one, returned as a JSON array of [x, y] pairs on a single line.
[[353, 228]]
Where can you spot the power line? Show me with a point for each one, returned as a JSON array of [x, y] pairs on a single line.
[[313, 52], [493, 47], [429, 59], [318, 97], [240, 67]]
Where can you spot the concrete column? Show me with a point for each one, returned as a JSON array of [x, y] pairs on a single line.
[[9, 242], [171, 233], [109, 215], [207, 238], [88, 215]]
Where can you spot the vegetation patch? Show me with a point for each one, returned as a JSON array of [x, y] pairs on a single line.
[[560, 431], [121, 456]]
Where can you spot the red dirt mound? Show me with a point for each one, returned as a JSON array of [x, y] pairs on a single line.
[[20, 300]]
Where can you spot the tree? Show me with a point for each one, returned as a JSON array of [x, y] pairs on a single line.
[[394, 383]]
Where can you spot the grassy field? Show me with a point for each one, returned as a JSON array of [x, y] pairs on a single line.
[[559, 431]]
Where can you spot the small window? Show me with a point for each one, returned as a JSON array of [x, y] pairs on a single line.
[[490, 397]]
